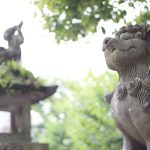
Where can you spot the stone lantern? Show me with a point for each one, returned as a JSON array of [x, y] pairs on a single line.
[[19, 90], [18, 104]]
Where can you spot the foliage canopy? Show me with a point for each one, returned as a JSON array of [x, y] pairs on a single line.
[[71, 19], [78, 118], [12, 73]]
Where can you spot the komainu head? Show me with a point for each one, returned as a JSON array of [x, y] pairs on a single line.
[[131, 45]]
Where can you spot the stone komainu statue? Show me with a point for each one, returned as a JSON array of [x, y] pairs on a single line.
[[129, 54], [15, 38]]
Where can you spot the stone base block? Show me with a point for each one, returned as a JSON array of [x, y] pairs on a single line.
[[23, 146]]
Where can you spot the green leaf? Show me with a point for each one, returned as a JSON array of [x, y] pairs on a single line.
[[103, 30], [131, 4], [90, 13], [78, 119]]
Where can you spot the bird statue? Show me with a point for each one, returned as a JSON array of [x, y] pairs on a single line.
[[15, 38]]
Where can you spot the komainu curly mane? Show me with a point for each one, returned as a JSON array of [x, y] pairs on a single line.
[[137, 73]]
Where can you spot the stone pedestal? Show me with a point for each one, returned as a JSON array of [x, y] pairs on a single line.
[[23, 146]]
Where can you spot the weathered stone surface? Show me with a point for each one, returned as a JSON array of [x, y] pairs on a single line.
[[23, 146], [15, 38], [10, 137], [129, 54]]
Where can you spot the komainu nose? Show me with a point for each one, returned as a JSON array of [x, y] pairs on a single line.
[[105, 42]]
